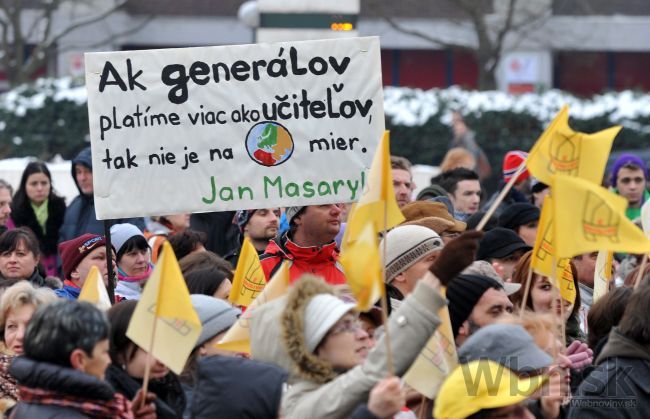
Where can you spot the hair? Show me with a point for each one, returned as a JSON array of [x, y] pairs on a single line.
[[635, 324], [449, 180], [201, 260], [121, 348], [457, 157], [136, 242], [606, 313], [186, 242], [400, 163], [59, 328], [204, 281], [22, 294], [538, 325], [10, 239], [21, 201], [6, 185], [519, 276]]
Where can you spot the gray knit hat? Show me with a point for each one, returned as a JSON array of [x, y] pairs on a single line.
[[405, 245], [216, 316], [291, 212]]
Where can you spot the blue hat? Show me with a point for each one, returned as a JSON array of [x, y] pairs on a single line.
[[625, 159]]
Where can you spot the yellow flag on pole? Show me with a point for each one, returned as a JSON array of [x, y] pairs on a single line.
[[379, 197], [94, 290], [436, 360], [165, 302], [249, 279], [589, 218], [237, 338], [602, 273], [561, 150], [362, 266]]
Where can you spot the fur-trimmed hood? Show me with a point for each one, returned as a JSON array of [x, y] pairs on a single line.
[[306, 364]]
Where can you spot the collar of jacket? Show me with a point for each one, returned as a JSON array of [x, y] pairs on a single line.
[[292, 251], [46, 376], [618, 345]]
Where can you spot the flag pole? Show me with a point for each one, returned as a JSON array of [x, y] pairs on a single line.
[[501, 197], [529, 279], [109, 262], [639, 275], [558, 295], [384, 298]]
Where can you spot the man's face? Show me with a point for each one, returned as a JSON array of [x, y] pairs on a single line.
[[98, 361], [528, 232], [585, 267], [84, 177], [467, 196], [5, 205], [631, 185], [403, 186], [97, 257], [415, 272], [263, 224], [493, 304], [320, 222]]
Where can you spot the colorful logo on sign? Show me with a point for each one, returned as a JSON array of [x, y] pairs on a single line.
[[269, 143]]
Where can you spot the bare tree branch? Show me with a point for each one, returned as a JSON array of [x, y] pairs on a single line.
[[112, 37]]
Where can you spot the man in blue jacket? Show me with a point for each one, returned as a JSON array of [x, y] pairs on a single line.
[[80, 215]]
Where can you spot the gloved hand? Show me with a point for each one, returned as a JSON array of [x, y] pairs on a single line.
[[579, 354], [457, 255]]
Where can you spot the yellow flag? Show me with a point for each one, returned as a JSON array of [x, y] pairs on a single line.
[[602, 273], [94, 290], [249, 280], [560, 150], [166, 303], [567, 284], [379, 197], [589, 218], [436, 360], [362, 266], [237, 338]]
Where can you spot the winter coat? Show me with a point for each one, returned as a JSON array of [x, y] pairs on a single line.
[[69, 291], [69, 381], [25, 217], [170, 399], [229, 387], [315, 390], [321, 261], [35, 278], [80, 215], [222, 234], [619, 386]]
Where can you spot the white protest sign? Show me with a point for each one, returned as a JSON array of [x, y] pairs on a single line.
[[233, 127]]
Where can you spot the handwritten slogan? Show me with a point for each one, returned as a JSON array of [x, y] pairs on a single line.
[[233, 127]]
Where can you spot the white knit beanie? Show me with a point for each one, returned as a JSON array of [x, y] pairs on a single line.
[[120, 233], [405, 246], [322, 312]]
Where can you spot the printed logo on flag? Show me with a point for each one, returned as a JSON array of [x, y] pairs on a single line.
[[599, 220], [565, 154]]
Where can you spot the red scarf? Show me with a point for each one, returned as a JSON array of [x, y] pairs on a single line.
[[118, 407]]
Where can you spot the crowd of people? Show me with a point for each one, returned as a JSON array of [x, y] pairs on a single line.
[[520, 353]]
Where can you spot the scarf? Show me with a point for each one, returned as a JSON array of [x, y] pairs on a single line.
[[118, 407], [8, 386], [122, 276], [40, 211]]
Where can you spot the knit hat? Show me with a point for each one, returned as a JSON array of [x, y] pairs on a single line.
[[322, 312], [216, 316], [405, 246], [120, 233], [463, 292], [419, 210], [291, 212], [241, 218], [518, 214], [508, 344], [625, 159], [499, 243], [431, 191], [74, 251], [511, 162]]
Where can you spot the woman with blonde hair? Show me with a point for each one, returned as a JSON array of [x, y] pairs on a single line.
[[17, 306]]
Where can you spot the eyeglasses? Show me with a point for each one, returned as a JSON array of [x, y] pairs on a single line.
[[627, 180], [450, 234], [346, 326]]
